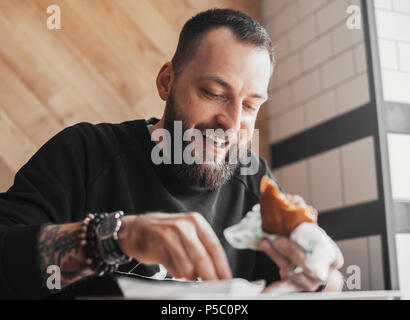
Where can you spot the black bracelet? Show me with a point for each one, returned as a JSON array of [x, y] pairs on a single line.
[[90, 245]]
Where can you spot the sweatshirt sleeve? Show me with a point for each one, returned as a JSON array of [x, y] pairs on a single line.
[[48, 189]]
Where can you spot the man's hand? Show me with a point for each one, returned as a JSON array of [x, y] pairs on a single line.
[[184, 244], [287, 255]]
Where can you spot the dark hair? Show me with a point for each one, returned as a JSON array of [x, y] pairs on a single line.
[[246, 30]]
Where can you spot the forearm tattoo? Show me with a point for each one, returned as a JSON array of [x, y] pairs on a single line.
[[60, 245]]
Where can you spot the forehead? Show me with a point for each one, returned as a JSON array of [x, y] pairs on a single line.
[[240, 64]]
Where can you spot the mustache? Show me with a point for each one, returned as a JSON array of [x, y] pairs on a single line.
[[212, 126], [215, 131]]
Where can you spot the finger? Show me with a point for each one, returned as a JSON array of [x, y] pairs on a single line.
[[212, 245], [179, 259], [290, 250], [190, 232], [286, 273], [199, 257], [305, 282], [168, 262], [196, 247], [281, 261], [294, 253]]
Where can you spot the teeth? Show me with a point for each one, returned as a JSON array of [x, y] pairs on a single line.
[[215, 139], [218, 140]]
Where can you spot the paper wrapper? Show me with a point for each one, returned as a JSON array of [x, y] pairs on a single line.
[[137, 288], [320, 250]]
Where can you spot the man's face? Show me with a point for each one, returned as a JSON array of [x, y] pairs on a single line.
[[222, 87]]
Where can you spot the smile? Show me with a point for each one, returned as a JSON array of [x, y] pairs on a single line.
[[216, 141]]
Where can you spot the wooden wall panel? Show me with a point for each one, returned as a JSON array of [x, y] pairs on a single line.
[[100, 67]]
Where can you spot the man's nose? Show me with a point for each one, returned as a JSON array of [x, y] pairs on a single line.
[[230, 116]]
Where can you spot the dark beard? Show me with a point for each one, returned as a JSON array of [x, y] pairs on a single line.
[[203, 175]]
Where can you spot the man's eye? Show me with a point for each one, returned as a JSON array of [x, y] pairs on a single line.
[[250, 107], [212, 94]]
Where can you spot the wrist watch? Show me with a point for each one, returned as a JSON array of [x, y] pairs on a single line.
[[107, 234]]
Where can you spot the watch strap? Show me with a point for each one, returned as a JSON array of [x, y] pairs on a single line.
[[113, 253]]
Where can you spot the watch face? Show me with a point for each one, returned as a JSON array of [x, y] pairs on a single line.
[[107, 227]]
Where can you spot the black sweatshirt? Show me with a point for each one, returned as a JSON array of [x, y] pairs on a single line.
[[102, 168]]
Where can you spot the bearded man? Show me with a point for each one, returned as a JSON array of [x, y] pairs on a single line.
[[154, 220]]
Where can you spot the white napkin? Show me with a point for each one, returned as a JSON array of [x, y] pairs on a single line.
[[320, 250]]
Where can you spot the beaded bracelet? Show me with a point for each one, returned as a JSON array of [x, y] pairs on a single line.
[[89, 243]]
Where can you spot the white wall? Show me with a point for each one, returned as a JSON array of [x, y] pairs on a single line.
[[321, 69], [403, 262], [393, 30], [399, 158], [339, 177], [321, 74]]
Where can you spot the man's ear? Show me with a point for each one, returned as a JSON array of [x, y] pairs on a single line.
[[165, 80]]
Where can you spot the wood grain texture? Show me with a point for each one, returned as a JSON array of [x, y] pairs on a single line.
[[100, 67]]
